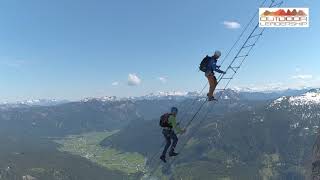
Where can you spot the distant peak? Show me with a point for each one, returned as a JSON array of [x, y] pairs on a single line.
[[310, 97], [269, 89], [34, 102], [103, 99], [168, 93], [316, 90]]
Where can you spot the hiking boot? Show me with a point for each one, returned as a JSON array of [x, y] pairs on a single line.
[[173, 154], [212, 98], [163, 158]]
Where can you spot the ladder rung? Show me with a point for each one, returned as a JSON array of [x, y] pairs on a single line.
[[252, 36], [241, 56], [248, 46], [234, 69], [237, 67], [227, 78]]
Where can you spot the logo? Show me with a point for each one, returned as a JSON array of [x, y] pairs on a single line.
[[283, 17]]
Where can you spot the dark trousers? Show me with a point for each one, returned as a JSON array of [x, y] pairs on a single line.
[[168, 135]]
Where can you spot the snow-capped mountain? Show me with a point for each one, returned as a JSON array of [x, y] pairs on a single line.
[[228, 94], [312, 97], [272, 89], [297, 97], [34, 102], [170, 95], [302, 110], [42, 102], [102, 99], [177, 95]]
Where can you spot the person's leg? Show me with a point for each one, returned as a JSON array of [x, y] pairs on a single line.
[[212, 85], [215, 83], [173, 146], [167, 136], [175, 141]]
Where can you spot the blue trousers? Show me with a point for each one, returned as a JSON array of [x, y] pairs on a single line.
[[169, 135]]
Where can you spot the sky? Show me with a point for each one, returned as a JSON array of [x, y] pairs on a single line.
[[90, 48]]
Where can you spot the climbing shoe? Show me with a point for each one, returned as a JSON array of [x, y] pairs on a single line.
[[212, 98], [163, 158], [173, 154]]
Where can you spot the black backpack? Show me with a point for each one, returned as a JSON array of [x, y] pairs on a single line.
[[204, 64], [164, 120]]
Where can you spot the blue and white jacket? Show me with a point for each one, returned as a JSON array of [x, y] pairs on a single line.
[[212, 66]]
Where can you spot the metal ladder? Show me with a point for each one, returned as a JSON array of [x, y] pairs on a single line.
[[244, 51], [233, 67]]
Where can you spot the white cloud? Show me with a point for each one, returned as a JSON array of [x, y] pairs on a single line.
[[302, 76], [231, 24], [133, 80], [163, 79], [115, 83]]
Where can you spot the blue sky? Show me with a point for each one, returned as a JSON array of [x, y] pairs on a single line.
[[84, 48]]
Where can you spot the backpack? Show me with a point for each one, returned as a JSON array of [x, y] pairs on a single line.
[[204, 64], [164, 120]]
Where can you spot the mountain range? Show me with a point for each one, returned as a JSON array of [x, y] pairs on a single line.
[[176, 95], [272, 140], [245, 135]]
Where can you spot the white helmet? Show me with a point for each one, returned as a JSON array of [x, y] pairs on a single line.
[[217, 54]]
